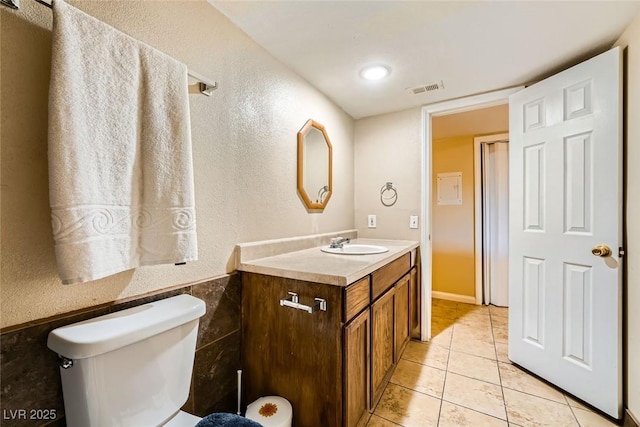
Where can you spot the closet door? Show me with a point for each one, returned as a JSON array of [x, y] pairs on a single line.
[[495, 203]]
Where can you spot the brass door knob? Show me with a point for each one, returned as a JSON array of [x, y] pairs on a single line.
[[601, 251]]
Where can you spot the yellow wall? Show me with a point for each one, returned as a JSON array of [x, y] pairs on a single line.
[[244, 149], [631, 41], [452, 234], [453, 228]]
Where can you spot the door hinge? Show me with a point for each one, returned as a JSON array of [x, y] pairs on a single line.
[[620, 252]]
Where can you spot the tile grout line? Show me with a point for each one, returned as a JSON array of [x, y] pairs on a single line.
[[493, 326], [542, 381], [477, 355], [504, 400], [477, 379], [524, 392], [475, 410], [572, 411], [446, 372], [535, 395], [414, 390], [386, 419], [424, 364], [373, 410]]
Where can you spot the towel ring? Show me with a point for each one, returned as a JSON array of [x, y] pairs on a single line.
[[388, 194]]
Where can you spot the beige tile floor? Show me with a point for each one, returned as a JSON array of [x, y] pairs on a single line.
[[463, 377]]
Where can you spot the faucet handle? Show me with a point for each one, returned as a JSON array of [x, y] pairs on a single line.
[[294, 296], [337, 242]]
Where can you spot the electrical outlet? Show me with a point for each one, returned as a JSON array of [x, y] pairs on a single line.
[[371, 222], [413, 221]]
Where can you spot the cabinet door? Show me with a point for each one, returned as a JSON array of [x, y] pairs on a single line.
[[414, 304], [401, 318], [382, 343], [292, 353], [356, 369]]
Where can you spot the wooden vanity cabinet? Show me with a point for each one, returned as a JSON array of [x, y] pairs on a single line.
[[389, 334], [401, 315], [357, 370], [292, 353], [382, 343], [414, 303], [331, 365]]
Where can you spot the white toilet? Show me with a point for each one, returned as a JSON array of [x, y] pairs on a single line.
[[130, 368]]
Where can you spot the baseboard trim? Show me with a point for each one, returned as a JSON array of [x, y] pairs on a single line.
[[453, 297], [630, 420]]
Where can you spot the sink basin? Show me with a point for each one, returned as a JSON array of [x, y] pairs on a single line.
[[355, 249]]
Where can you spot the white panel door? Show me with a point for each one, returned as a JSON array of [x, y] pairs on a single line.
[[565, 185]]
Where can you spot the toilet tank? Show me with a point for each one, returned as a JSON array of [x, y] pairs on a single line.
[[129, 368]]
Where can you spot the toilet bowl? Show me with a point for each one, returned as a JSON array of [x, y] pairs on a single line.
[[182, 419]]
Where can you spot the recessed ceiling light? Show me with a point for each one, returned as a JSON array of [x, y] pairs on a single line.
[[375, 72]]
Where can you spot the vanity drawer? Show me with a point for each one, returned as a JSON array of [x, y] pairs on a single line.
[[386, 276], [356, 298]]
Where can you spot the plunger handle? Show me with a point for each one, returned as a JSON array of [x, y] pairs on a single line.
[[239, 388]]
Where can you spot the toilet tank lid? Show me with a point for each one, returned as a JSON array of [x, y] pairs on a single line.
[[112, 331]]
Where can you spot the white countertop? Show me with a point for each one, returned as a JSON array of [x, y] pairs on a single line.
[[313, 265]]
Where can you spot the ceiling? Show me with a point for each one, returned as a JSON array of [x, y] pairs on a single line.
[[471, 47]]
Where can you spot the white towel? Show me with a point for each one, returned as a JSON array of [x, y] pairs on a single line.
[[120, 164]]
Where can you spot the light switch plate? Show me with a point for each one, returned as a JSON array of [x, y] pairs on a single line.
[[413, 221], [371, 221]]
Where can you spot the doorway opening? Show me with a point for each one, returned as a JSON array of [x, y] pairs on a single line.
[[429, 113]]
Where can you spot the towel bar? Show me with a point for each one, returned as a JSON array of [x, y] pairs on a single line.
[[13, 4], [205, 85]]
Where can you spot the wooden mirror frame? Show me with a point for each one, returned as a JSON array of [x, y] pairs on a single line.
[[308, 201]]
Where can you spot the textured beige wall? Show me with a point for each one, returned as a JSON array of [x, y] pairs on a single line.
[[452, 236], [244, 147], [387, 148], [631, 40]]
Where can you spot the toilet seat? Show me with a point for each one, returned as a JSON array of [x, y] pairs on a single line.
[[182, 419]]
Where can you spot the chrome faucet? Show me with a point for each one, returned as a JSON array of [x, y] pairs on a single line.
[[337, 242]]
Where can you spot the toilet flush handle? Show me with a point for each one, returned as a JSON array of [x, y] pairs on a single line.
[[65, 362]]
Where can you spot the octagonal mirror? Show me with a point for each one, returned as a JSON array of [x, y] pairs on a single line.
[[314, 165]]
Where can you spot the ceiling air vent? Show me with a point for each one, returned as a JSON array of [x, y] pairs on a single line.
[[430, 87]]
